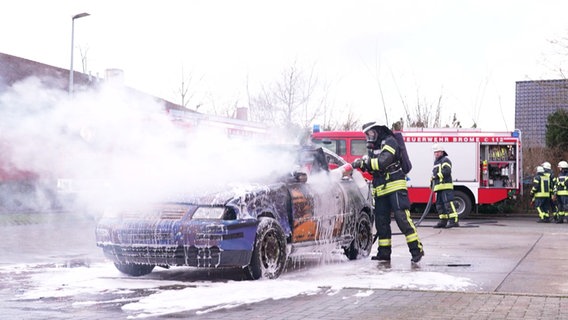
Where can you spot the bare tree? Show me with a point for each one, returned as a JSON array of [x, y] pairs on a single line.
[[83, 54], [290, 103], [350, 122], [184, 90], [347, 123]]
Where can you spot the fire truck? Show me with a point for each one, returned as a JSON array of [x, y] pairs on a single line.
[[486, 165]]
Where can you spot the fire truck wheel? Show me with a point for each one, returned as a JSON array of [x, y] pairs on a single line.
[[463, 204]]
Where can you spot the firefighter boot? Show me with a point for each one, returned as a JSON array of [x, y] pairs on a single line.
[[416, 251], [453, 223], [442, 223], [384, 254]]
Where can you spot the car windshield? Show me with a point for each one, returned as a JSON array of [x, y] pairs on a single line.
[[262, 165]]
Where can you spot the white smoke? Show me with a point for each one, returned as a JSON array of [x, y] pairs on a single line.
[[111, 145]]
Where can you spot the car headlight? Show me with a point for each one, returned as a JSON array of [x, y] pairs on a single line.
[[209, 213]]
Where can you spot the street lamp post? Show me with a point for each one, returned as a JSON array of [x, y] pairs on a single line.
[[77, 16]]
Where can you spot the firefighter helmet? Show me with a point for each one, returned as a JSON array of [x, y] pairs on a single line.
[[563, 164], [438, 147], [546, 165], [540, 169], [375, 133], [369, 125]]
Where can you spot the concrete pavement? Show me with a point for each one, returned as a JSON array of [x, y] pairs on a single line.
[[519, 267]]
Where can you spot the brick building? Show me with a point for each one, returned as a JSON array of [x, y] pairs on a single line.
[[534, 101]]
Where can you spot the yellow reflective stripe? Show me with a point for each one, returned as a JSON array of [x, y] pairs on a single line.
[[444, 186], [454, 213], [446, 164], [543, 193], [389, 149], [542, 214], [385, 242], [411, 223], [389, 187], [563, 192], [443, 216], [375, 164], [412, 237]]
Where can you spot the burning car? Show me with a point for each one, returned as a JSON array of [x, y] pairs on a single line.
[[257, 226]]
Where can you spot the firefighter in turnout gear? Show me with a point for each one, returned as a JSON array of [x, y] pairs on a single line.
[[383, 162], [552, 207], [540, 192], [561, 191], [444, 188]]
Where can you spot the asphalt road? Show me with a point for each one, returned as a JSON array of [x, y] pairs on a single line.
[[519, 268]]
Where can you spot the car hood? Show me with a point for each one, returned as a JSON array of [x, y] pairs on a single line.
[[220, 195]]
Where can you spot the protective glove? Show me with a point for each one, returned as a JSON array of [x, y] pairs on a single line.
[[357, 163], [360, 163]]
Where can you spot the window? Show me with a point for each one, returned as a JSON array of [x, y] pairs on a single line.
[[358, 147], [335, 146]]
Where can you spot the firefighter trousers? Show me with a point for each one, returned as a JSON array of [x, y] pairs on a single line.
[[398, 203], [445, 205]]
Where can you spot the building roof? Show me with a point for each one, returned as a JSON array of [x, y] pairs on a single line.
[[14, 69]]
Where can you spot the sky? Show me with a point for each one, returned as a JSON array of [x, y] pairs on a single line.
[[371, 58]]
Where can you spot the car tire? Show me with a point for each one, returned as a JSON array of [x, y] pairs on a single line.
[[363, 241], [135, 270], [269, 255]]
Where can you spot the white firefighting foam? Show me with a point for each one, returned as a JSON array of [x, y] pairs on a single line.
[[204, 296]]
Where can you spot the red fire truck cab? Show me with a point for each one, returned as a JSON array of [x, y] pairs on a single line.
[[486, 166]]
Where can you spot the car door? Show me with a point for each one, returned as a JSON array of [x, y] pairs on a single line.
[[304, 224], [329, 204]]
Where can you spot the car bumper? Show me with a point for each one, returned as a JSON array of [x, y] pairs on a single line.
[[204, 257], [207, 244]]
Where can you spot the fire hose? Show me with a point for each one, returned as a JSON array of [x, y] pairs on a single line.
[[428, 205]]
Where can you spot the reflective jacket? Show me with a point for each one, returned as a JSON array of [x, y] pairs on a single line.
[[541, 186], [442, 174], [384, 165], [560, 187], [551, 178]]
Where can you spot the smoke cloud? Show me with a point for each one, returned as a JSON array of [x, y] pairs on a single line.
[[109, 146]]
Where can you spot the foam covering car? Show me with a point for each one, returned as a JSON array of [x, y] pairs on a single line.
[[256, 226]]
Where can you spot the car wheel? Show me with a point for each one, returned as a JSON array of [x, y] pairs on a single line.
[[135, 270], [363, 241], [269, 255]]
